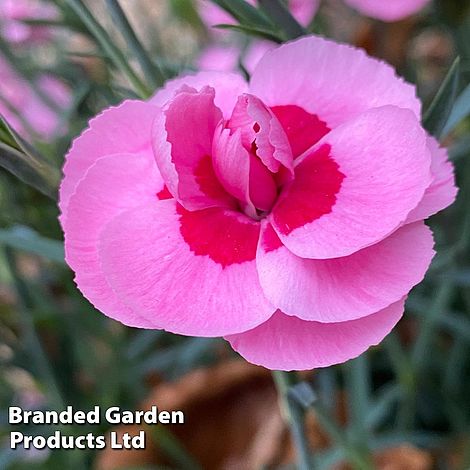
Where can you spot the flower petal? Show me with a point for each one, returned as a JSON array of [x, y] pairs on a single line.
[[113, 184], [182, 142], [227, 86], [384, 169], [247, 152], [347, 288], [123, 129], [302, 129], [193, 273], [288, 343], [234, 168], [258, 124], [442, 191], [334, 81], [388, 11]]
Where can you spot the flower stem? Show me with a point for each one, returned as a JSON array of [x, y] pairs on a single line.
[[359, 459], [295, 417]]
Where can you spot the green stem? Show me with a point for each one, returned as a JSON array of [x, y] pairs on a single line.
[[295, 416], [399, 359], [422, 346], [358, 382], [404, 372], [152, 72], [356, 457], [357, 378], [108, 46]]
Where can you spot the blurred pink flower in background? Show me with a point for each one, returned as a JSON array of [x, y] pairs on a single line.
[[255, 52], [219, 57], [285, 214], [14, 12], [226, 58], [391, 10], [25, 110]]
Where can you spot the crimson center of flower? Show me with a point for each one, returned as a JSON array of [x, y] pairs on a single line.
[[261, 169]]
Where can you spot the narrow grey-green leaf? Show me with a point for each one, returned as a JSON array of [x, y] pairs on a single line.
[[303, 393], [152, 72], [23, 161], [279, 14], [26, 239], [245, 13], [459, 112], [107, 44], [460, 149], [440, 109], [253, 31]]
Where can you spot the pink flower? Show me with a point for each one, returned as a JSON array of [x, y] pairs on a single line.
[[18, 99], [285, 214], [14, 12], [393, 10]]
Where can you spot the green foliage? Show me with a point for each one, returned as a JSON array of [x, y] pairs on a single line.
[[460, 111], [279, 14], [25, 162], [440, 110], [107, 44], [28, 240]]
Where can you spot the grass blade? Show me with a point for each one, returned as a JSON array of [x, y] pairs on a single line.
[[245, 13], [253, 31], [20, 159], [440, 109], [281, 16], [108, 46], [26, 239], [460, 111], [152, 72]]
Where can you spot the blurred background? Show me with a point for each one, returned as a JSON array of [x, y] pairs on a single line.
[[405, 405]]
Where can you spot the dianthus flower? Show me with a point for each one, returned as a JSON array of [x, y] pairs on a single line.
[[388, 11], [285, 215]]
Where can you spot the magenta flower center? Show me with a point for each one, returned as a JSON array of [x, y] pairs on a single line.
[[262, 163]]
